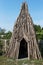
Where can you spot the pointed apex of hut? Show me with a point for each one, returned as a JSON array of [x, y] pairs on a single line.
[[24, 7]]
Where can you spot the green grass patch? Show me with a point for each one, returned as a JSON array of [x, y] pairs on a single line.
[[8, 61]]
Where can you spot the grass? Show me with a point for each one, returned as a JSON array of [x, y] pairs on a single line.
[[7, 61]]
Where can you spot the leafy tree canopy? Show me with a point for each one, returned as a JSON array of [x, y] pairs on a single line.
[[37, 28]]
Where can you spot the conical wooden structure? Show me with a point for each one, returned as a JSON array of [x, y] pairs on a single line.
[[23, 42]]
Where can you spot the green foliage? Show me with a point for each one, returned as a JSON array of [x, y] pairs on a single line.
[[39, 36], [37, 28], [39, 31], [42, 37], [41, 47], [8, 61], [7, 35]]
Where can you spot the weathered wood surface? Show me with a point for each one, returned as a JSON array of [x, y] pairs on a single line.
[[24, 28]]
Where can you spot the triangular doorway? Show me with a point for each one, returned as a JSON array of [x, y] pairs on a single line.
[[23, 52]]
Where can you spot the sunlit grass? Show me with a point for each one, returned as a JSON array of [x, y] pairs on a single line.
[[8, 61]]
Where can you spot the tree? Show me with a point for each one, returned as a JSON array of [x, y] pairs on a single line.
[[7, 35], [37, 28]]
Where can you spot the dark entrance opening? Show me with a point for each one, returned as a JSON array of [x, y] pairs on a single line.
[[23, 53]]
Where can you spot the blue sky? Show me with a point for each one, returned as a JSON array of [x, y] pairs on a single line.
[[10, 9]]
